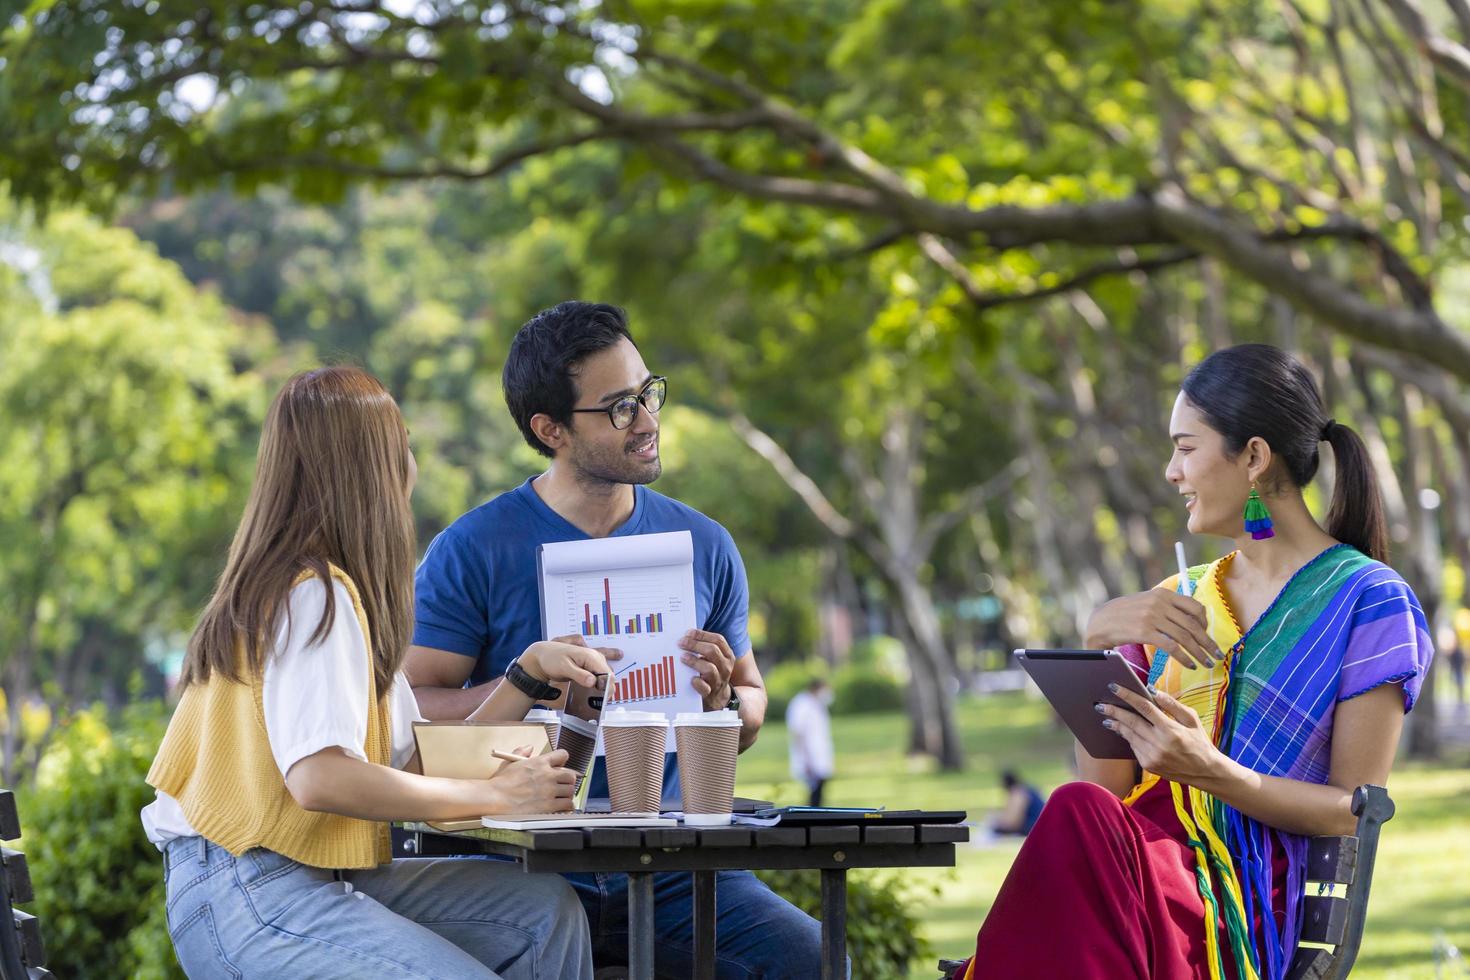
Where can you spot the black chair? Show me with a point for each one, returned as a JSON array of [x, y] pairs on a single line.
[[22, 954], [1332, 925]]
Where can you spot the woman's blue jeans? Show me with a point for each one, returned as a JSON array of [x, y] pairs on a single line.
[[264, 915]]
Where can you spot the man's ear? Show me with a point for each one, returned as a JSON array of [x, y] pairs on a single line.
[[551, 432], [1258, 458]]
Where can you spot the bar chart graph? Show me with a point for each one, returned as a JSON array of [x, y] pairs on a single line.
[[603, 619], [646, 683], [633, 594]]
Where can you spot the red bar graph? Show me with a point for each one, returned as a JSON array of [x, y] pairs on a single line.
[[655, 680], [609, 623]]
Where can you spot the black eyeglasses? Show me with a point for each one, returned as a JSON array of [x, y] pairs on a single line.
[[623, 412]]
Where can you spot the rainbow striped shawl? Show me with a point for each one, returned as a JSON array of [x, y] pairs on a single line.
[[1342, 626]]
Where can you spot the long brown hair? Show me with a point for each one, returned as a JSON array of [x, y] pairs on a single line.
[[331, 485]]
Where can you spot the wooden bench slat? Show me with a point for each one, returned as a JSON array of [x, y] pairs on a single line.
[[614, 837], [32, 951], [888, 834], [558, 840], [725, 837], [1333, 859], [1325, 919], [9, 816], [951, 833], [1309, 963], [17, 875], [834, 835], [780, 836], [669, 837]]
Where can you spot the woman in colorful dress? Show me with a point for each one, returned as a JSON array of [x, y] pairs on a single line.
[[1282, 672]]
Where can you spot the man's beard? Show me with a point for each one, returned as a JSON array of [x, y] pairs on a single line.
[[607, 465]]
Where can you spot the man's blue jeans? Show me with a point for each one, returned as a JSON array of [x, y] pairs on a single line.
[[758, 934]]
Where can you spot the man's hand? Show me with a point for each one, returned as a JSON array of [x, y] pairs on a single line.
[[713, 660], [568, 658]]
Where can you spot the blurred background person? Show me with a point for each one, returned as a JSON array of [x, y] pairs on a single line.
[[809, 738], [1022, 807]]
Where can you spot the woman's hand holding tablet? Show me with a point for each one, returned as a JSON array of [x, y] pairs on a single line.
[[1167, 737], [1076, 682]]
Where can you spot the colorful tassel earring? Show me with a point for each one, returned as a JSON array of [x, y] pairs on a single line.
[[1257, 517]]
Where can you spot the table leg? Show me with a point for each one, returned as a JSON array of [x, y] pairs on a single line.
[[640, 925], [834, 924], [704, 925]]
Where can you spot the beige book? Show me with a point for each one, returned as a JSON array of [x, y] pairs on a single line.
[[466, 750]]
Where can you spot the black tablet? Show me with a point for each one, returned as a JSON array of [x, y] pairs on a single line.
[[1076, 680]]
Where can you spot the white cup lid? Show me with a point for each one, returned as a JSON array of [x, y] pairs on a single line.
[[542, 715], [625, 718], [724, 718], [580, 725]]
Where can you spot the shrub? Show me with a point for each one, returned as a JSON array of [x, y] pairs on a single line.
[[862, 690], [883, 654], [882, 927], [784, 681], [98, 882]]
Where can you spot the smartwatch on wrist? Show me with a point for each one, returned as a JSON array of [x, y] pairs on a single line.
[[734, 704], [531, 687]]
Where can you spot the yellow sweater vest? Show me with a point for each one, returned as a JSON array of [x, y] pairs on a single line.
[[216, 761]]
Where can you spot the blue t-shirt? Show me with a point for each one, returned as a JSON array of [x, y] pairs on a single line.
[[477, 592]]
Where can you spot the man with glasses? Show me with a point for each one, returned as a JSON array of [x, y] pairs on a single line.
[[582, 397]]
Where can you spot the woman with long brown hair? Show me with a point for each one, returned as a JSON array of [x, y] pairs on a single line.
[[292, 745]]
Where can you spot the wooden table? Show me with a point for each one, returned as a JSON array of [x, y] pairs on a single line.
[[640, 854]]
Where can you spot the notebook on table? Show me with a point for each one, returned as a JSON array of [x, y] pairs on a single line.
[[821, 815], [465, 750], [576, 821]]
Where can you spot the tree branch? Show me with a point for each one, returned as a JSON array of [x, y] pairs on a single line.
[[1420, 332], [804, 486], [1119, 266], [1452, 58], [971, 500]]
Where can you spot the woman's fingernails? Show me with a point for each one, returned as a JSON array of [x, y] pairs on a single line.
[[1153, 691], [1113, 688], [1108, 724], [1099, 709]]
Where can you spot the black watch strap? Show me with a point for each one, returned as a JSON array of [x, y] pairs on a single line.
[[531, 687], [734, 703]]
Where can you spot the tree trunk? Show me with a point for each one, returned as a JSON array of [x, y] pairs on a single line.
[[931, 663]]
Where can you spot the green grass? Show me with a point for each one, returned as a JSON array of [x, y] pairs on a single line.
[[1421, 889]]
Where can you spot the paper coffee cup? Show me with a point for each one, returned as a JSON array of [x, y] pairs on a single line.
[[549, 719], [633, 742], [579, 737], [708, 745]]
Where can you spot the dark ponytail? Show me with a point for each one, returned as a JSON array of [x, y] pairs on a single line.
[[1258, 390], [1356, 516]]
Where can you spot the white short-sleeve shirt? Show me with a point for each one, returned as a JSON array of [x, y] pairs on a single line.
[[315, 697]]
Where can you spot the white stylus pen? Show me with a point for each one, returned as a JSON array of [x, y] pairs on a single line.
[[1185, 585]]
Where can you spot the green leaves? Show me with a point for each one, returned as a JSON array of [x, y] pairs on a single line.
[[99, 883], [125, 426]]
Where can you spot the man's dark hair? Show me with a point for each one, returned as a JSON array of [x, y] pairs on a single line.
[[1010, 779], [541, 368]]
